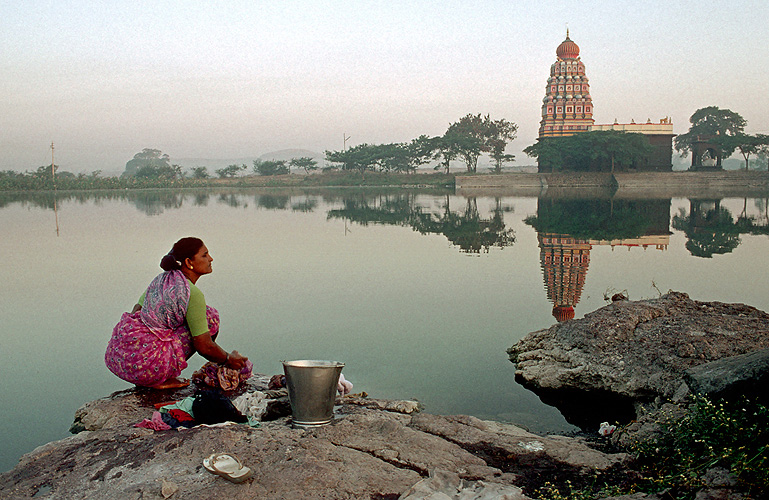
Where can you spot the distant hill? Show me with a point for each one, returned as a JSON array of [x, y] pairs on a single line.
[[288, 154], [213, 164]]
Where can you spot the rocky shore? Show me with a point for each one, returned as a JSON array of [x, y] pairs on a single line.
[[646, 366], [631, 354], [374, 449], [631, 363]]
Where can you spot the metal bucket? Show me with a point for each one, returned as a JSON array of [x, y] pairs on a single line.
[[311, 388]]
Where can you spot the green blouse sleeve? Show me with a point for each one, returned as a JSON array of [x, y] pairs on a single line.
[[196, 312]]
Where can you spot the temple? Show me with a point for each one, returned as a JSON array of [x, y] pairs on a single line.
[[567, 107]]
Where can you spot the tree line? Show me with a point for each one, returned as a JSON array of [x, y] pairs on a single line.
[[611, 149], [725, 129]]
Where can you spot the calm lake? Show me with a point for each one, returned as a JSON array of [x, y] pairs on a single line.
[[420, 294]]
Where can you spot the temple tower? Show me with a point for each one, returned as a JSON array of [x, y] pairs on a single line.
[[564, 261], [567, 107]]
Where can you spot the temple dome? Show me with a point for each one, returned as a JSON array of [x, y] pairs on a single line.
[[563, 313], [567, 49]]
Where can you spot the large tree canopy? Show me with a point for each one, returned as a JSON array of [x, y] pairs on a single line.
[[473, 135], [601, 150], [151, 159], [714, 123]]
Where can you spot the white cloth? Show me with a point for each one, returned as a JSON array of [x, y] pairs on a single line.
[[344, 386], [252, 404]]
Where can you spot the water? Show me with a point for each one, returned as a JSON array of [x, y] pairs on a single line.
[[418, 294]]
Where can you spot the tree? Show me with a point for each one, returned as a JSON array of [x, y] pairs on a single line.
[[446, 147], [549, 153], [498, 134], [200, 173], [711, 122], [601, 150], [473, 135], [392, 157], [744, 143], [270, 167], [361, 158], [304, 162], [468, 137], [615, 148], [147, 157], [230, 171], [158, 172], [420, 151], [763, 149]]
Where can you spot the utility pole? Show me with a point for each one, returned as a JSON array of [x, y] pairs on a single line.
[[53, 177], [53, 170], [345, 138]]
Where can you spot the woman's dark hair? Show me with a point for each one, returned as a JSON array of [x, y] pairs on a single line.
[[185, 248]]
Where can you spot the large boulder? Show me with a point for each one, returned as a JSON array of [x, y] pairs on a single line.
[[596, 368]]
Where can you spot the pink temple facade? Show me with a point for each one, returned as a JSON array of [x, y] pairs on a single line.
[[567, 107]]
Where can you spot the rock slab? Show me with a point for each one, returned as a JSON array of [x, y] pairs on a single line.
[[367, 452], [638, 350]]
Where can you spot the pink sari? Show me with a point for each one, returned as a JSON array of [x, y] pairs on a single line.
[[152, 345]]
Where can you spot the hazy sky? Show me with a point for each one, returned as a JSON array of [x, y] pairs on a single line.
[[105, 79]]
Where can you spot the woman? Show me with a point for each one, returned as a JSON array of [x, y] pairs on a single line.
[[150, 345]]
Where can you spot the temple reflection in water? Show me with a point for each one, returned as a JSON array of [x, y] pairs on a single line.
[[565, 258]]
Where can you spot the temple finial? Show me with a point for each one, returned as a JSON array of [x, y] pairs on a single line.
[[567, 31]]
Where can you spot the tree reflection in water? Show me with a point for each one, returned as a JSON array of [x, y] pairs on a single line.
[[711, 229], [465, 229]]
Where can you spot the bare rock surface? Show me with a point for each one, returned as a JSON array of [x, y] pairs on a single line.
[[746, 374], [373, 449], [636, 350]]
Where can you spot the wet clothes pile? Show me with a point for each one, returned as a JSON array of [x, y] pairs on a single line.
[[205, 407], [218, 376]]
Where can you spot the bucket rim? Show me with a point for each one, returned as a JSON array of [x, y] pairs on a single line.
[[313, 363]]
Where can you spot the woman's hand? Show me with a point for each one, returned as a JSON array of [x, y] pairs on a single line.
[[210, 350], [236, 361]]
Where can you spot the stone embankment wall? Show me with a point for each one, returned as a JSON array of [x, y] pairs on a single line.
[[620, 185]]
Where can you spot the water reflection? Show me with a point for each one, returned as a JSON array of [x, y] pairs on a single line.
[[465, 228], [712, 230], [568, 229], [463, 312]]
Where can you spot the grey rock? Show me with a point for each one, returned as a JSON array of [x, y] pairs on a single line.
[[630, 351], [746, 374], [505, 439], [372, 449], [442, 485]]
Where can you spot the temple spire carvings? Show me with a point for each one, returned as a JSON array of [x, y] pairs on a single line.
[[567, 107]]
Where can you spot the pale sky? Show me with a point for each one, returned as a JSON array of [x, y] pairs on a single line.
[[105, 79]]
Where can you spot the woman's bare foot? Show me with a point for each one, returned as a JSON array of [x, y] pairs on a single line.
[[172, 383]]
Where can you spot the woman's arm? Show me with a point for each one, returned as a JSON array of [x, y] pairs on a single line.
[[210, 350]]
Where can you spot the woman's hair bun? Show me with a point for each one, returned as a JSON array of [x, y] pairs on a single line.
[[184, 249], [169, 263]]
